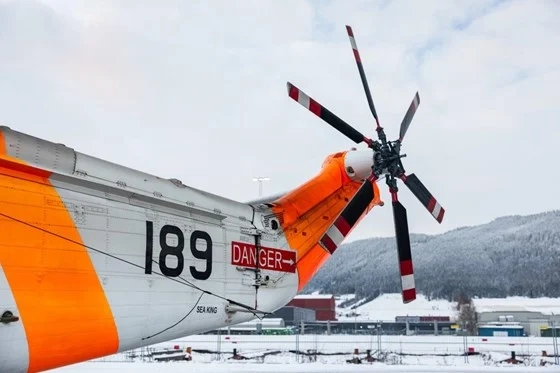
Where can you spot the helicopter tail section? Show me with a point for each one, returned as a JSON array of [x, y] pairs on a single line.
[[309, 212]]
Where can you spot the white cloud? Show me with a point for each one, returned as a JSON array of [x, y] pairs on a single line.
[[196, 90]]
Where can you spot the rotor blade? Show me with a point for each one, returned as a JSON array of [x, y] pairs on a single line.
[[362, 74], [424, 196], [408, 287], [322, 112], [409, 115], [344, 223]]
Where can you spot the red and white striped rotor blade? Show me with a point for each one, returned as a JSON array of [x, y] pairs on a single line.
[[322, 112], [349, 216], [409, 115], [358, 59], [408, 286], [424, 196]]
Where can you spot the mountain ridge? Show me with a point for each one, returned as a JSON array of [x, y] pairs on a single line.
[[508, 256]]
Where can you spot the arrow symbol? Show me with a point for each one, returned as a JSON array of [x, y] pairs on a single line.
[[288, 261]]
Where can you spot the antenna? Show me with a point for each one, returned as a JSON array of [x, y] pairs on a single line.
[[260, 179]]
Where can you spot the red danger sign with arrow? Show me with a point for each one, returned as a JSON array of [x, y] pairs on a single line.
[[245, 255]]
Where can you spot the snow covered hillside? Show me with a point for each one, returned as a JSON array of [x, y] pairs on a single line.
[[514, 255], [388, 306]]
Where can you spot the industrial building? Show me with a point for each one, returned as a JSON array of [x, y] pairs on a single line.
[[531, 322], [324, 305], [375, 327], [550, 331], [295, 315], [501, 329], [317, 314]]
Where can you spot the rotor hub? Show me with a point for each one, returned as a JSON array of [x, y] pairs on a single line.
[[387, 160]]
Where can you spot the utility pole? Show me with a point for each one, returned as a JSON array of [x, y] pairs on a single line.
[[260, 179], [465, 342], [555, 341]]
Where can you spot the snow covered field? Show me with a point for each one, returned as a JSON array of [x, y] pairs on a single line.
[[387, 306], [276, 354], [440, 345], [289, 368]]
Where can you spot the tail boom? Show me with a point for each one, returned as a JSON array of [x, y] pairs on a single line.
[[309, 211]]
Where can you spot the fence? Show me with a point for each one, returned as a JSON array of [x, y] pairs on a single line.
[[340, 348]]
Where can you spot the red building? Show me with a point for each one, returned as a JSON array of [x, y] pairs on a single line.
[[323, 304]]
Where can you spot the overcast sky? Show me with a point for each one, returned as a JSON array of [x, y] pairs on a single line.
[[196, 90]]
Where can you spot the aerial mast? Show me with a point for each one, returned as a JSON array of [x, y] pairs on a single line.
[[260, 179]]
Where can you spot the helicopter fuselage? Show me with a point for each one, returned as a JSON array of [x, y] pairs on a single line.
[[97, 258]]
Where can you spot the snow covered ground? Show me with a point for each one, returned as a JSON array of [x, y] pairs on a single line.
[[440, 345], [547, 306], [289, 368], [276, 354], [387, 306]]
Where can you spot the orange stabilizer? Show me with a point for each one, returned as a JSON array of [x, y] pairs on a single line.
[[309, 210]]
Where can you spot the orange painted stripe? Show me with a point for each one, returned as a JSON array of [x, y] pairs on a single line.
[[308, 211], [63, 307]]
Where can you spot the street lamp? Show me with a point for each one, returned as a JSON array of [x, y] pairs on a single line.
[[260, 179]]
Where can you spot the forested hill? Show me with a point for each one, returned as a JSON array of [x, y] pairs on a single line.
[[513, 255]]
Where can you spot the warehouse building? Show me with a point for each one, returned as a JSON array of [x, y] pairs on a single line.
[[324, 305], [501, 329], [532, 322], [550, 332], [294, 315]]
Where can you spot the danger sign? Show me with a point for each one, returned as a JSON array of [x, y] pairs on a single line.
[[245, 255]]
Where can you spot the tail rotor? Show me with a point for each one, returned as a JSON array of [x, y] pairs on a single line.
[[386, 162]]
